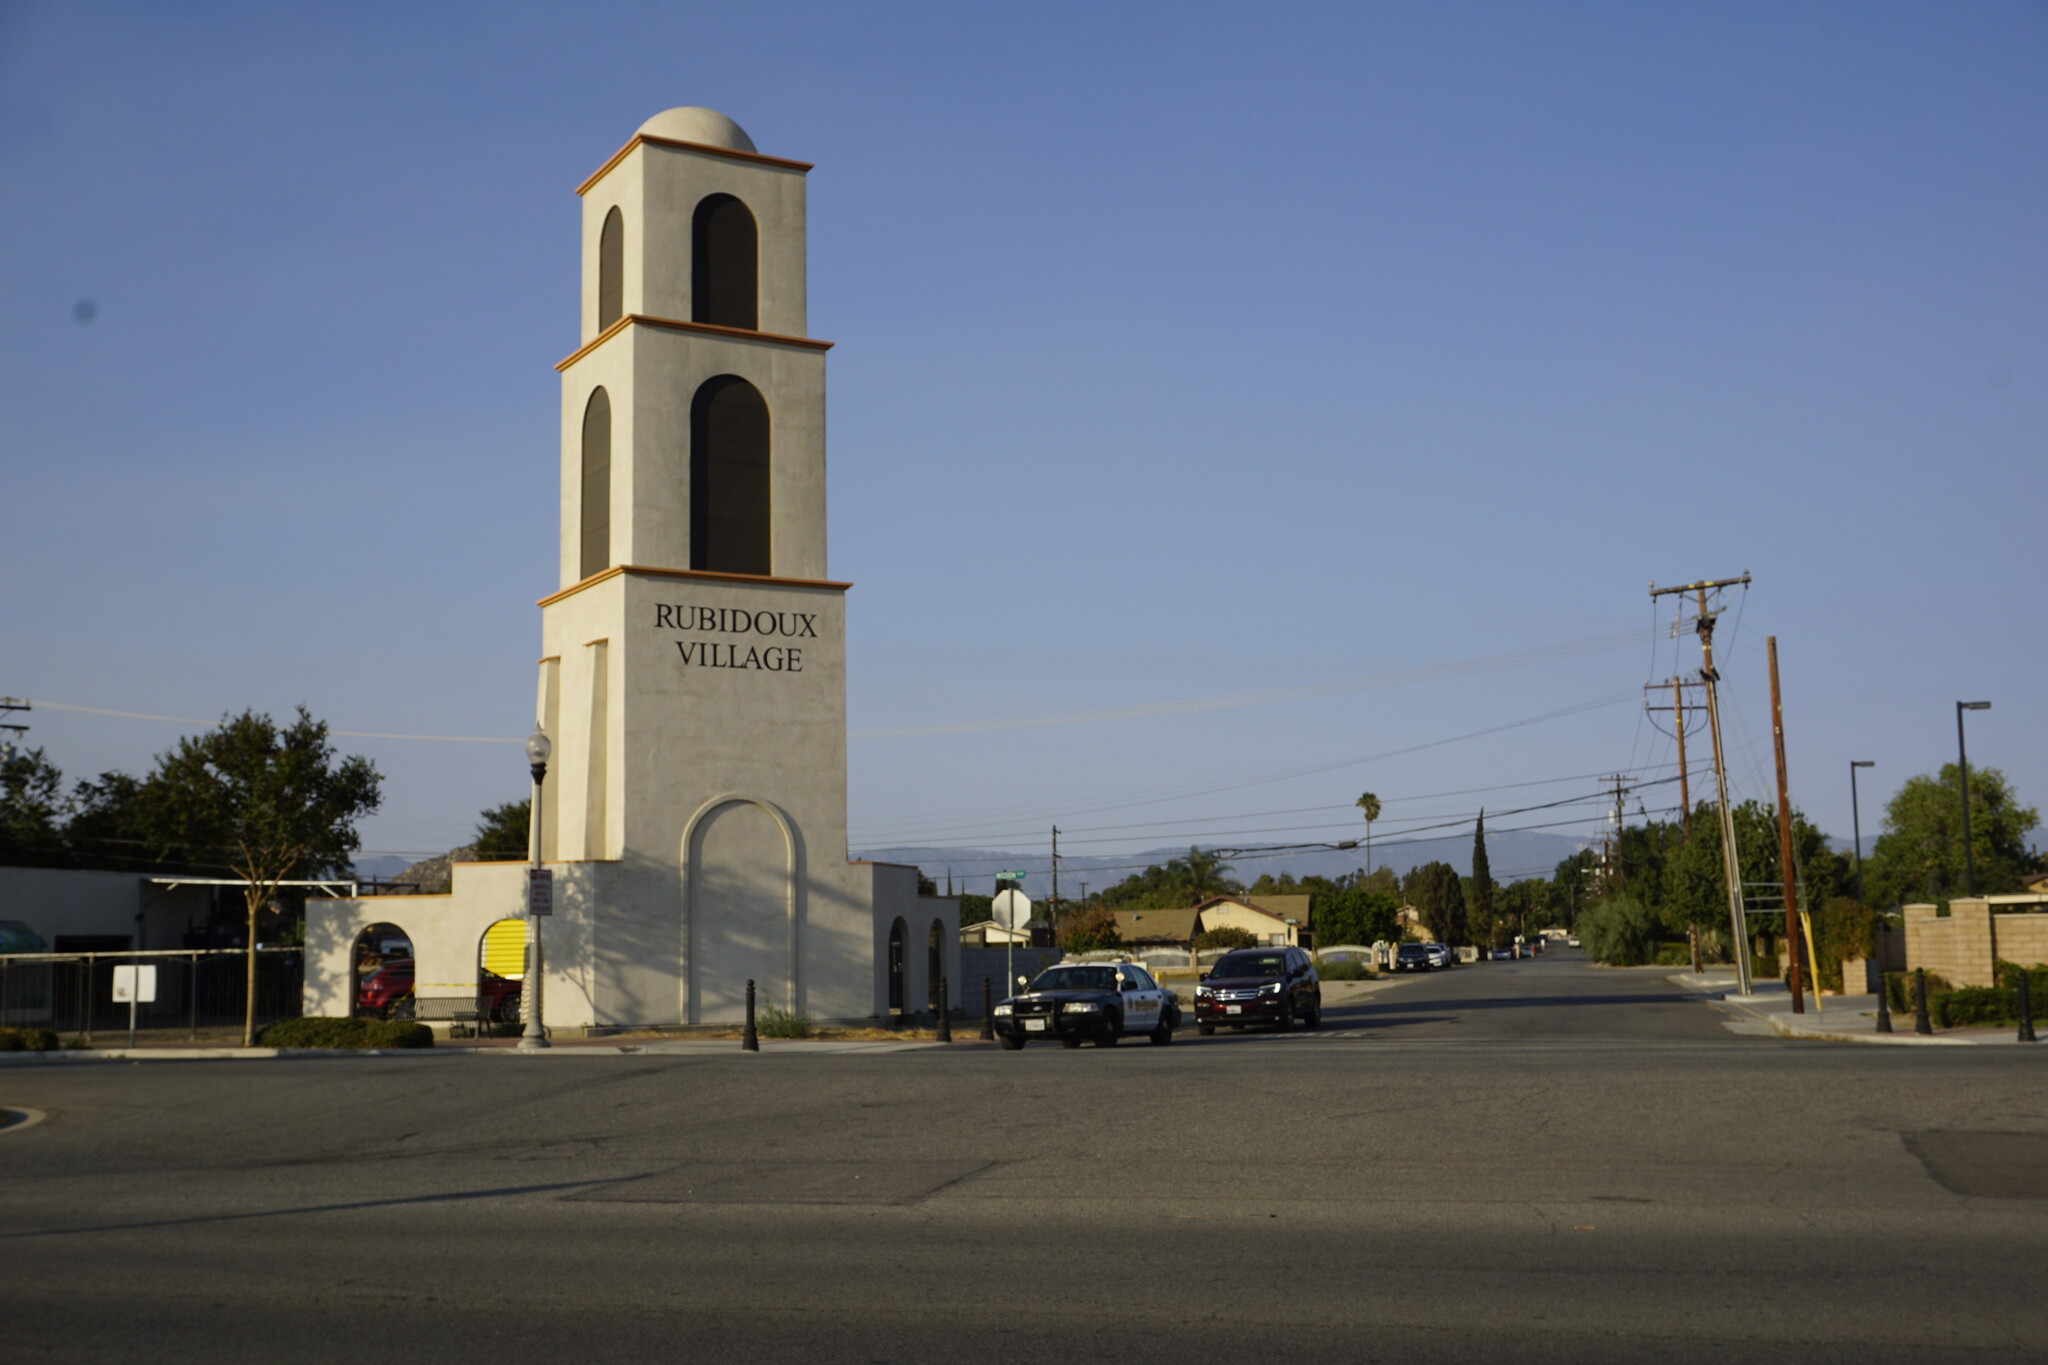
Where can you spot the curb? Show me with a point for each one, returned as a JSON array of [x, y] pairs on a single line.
[[208, 1054]]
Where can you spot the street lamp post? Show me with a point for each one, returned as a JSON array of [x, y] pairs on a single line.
[[1963, 758], [537, 750], [1856, 819]]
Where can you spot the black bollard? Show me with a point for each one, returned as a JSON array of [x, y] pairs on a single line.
[[2026, 1008], [750, 1041], [945, 1031], [1920, 1020], [1884, 985], [988, 1013]]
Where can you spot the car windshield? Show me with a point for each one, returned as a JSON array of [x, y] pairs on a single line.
[[1251, 964], [1076, 979], [1413, 950]]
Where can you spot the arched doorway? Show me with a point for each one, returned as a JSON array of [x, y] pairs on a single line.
[[380, 971], [500, 970], [897, 933], [934, 965]]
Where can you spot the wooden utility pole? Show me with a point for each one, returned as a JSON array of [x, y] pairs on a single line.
[[1052, 912], [1792, 939], [1731, 862], [1678, 708]]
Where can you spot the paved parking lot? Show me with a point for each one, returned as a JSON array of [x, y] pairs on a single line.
[[1518, 1161]]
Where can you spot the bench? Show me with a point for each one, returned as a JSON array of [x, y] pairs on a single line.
[[461, 1013]]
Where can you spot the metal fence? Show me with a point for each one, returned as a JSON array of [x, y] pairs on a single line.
[[73, 993]]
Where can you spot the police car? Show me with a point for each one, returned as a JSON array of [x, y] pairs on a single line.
[[1088, 1002]]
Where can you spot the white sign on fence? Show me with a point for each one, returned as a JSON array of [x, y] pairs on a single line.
[[135, 985]]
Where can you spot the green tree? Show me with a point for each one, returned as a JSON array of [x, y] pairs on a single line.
[[31, 811], [503, 833], [1175, 885], [1225, 936], [1483, 917], [105, 828], [1087, 929], [271, 804], [1369, 806], [1356, 915], [1693, 889], [1919, 855], [1438, 895], [976, 909]]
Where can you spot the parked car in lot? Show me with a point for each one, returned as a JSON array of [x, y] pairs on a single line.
[[1412, 957], [1440, 956], [386, 993], [1088, 1002], [1260, 986], [379, 993]]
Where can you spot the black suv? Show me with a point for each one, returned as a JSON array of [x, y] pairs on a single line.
[[1259, 986]]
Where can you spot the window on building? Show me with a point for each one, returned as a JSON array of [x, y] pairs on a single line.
[[729, 478], [611, 270], [597, 485], [724, 264]]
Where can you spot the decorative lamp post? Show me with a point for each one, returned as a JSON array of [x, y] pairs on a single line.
[[537, 750], [1963, 758]]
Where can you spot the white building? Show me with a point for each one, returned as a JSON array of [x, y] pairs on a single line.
[[693, 669]]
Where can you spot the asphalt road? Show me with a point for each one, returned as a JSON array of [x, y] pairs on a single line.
[[1527, 1161]]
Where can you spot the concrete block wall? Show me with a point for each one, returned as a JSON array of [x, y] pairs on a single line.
[[1958, 948], [2022, 938]]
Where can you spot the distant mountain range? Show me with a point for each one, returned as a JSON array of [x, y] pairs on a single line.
[[1513, 855]]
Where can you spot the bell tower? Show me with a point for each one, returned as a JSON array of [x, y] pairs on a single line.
[[694, 655]]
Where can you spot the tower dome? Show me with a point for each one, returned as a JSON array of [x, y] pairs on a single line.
[[692, 124]]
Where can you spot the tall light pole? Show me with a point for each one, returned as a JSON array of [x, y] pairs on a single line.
[[1856, 819], [1963, 756], [537, 750]]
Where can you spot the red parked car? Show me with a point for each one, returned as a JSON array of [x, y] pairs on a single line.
[[387, 992]]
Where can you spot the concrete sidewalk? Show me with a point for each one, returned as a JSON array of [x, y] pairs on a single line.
[[1833, 1018]]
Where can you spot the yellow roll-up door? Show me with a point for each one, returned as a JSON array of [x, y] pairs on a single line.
[[505, 949]]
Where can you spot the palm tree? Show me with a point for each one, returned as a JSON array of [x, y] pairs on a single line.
[[1370, 804], [1200, 873]]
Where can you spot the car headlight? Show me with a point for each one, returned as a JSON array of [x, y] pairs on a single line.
[[1270, 988], [1202, 992], [1003, 1011], [1079, 1007]]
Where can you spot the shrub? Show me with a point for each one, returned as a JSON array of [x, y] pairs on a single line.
[[1674, 955], [1620, 932], [1226, 937], [1345, 969], [774, 1022], [357, 1033], [1970, 1005], [1766, 969], [1898, 989], [27, 1040]]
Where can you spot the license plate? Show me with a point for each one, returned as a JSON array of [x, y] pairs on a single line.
[[1233, 1009], [1034, 1025]]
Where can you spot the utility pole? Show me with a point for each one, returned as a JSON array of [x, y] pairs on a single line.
[[1678, 708], [12, 732], [1612, 872], [1731, 862], [1052, 912], [1792, 938]]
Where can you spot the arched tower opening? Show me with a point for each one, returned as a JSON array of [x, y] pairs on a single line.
[[729, 529], [611, 270], [725, 251], [597, 484]]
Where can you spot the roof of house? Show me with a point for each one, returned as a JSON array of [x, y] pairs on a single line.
[[1282, 908], [1156, 926]]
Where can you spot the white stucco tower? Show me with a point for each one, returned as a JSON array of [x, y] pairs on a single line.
[[693, 669]]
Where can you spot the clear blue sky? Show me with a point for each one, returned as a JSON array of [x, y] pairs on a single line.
[[1182, 350]]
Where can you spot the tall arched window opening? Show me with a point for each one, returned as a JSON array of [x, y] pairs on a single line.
[[729, 477], [597, 485], [897, 933], [611, 270], [724, 264]]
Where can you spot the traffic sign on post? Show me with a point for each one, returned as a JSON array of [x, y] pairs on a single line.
[[133, 985], [1011, 909], [540, 891]]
